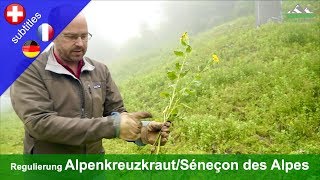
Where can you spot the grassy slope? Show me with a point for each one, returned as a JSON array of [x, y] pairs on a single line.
[[264, 96], [11, 134]]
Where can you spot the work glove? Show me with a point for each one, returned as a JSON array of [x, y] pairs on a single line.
[[150, 132], [128, 125]]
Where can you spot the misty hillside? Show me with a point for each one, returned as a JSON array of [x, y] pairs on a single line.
[[263, 96]]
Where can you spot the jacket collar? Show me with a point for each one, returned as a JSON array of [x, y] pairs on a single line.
[[53, 66]]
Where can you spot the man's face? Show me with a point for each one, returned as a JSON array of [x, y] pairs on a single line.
[[71, 44]]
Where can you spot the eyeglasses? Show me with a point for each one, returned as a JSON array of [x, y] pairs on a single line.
[[74, 37]]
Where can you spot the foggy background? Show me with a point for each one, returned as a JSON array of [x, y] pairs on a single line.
[[129, 28]]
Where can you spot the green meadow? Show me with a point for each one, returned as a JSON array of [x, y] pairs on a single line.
[[263, 97]]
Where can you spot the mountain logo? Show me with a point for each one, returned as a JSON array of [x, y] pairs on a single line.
[[300, 12], [299, 9]]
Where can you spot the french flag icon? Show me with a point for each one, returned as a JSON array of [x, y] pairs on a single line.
[[45, 32]]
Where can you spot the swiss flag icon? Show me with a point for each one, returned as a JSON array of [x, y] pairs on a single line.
[[14, 13]]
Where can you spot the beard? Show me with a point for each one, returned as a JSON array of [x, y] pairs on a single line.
[[77, 54], [74, 55]]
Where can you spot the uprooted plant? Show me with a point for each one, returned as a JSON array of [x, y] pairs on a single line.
[[177, 87]]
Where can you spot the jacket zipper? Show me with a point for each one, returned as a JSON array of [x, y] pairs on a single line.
[[83, 114], [89, 89]]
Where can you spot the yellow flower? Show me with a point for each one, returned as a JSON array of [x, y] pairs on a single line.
[[184, 39], [215, 58], [185, 35]]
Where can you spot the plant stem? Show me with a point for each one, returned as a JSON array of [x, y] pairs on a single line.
[[168, 110], [167, 115]]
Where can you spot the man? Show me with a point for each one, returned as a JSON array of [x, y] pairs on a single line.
[[69, 103]]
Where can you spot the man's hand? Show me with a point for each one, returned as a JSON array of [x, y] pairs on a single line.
[[150, 132], [130, 125]]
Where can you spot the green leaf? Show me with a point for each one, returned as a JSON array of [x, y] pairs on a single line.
[[183, 92], [197, 76], [184, 73], [178, 53], [171, 75], [190, 91], [188, 49], [164, 94], [173, 114], [187, 92], [183, 42], [178, 66]]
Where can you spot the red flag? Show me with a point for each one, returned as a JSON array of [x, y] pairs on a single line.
[[15, 13]]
